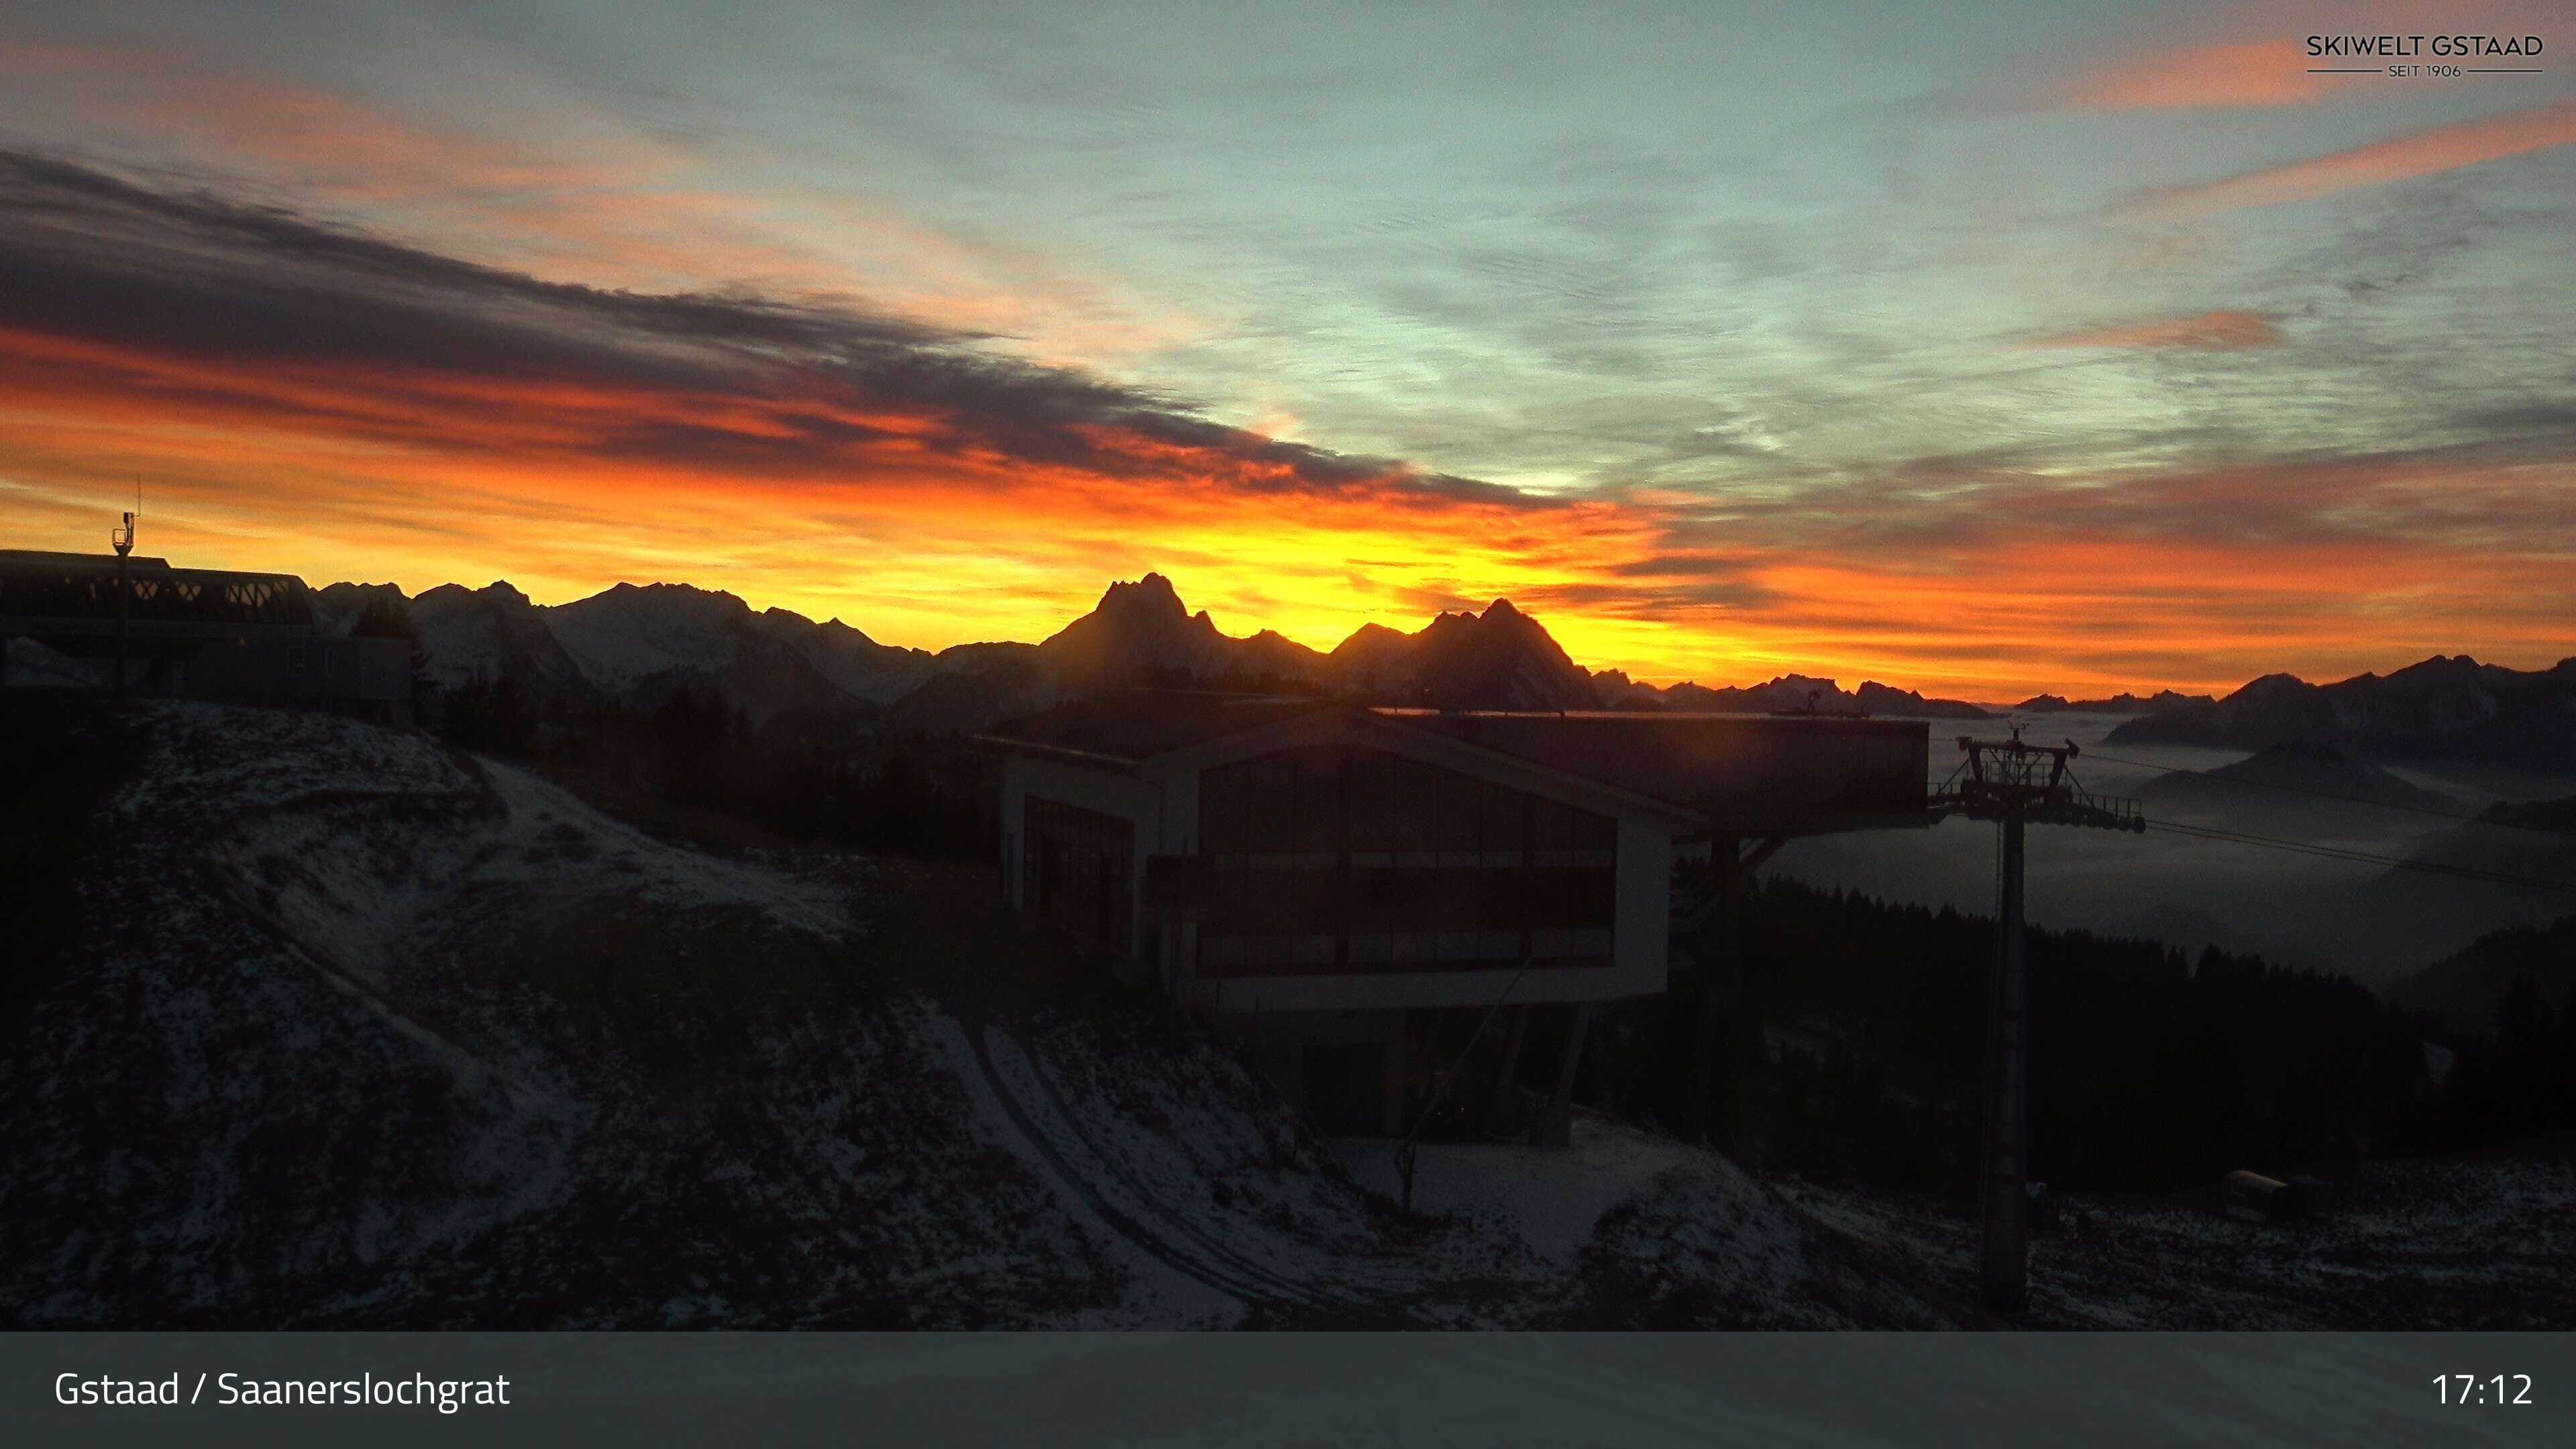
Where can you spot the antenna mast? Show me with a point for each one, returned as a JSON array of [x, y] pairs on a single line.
[[123, 541], [2016, 784]]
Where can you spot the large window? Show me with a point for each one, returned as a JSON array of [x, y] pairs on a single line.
[[1334, 859], [1074, 872]]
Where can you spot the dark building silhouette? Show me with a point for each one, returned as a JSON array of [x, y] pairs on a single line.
[[188, 633], [1326, 867]]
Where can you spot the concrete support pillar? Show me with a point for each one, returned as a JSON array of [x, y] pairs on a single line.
[[124, 594], [1558, 1129], [2003, 1267], [1711, 944], [1747, 1055], [1729, 1023], [1396, 1120], [1504, 1107], [1703, 1041]]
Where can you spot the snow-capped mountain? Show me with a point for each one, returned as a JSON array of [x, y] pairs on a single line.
[[639, 646], [629, 635], [495, 632]]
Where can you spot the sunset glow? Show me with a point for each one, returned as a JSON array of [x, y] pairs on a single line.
[[1793, 372]]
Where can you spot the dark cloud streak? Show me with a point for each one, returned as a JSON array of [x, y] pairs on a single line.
[[167, 272]]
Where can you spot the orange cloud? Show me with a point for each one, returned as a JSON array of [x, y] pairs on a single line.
[[2419, 153], [346, 407], [2246, 54], [920, 543], [2206, 331], [2252, 73]]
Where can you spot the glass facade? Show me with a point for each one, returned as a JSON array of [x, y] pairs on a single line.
[[1336, 859], [1075, 867]]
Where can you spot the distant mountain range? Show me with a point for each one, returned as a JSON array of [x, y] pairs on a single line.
[[2121, 703], [640, 646], [2466, 987], [2452, 711], [1788, 692], [2292, 776]]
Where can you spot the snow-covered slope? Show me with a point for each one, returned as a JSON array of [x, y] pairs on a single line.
[[354, 1031], [365, 1032], [30, 665]]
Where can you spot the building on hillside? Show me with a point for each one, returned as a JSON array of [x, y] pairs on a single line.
[[189, 633], [1319, 869]]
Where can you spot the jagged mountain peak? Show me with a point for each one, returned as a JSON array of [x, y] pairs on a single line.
[[1142, 630], [666, 596], [1152, 595], [1501, 658], [499, 591]]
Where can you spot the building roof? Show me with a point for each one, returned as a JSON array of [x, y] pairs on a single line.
[[42, 558], [45, 594], [1127, 727], [1734, 774], [1743, 773]]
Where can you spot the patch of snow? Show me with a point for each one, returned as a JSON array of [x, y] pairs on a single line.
[[216, 761], [551, 832], [1551, 1197], [33, 665], [2437, 1064], [1168, 1294]]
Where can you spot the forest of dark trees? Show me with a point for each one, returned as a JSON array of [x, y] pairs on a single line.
[[926, 798], [2151, 1070]]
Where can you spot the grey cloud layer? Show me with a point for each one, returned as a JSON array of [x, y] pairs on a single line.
[[180, 271]]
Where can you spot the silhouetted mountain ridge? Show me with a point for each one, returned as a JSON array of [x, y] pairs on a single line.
[[2121, 703], [2293, 774], [1787, 692], [2467, 986], [639, 644], [2443, 711]]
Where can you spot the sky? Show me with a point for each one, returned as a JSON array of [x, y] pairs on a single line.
[[1980, 348]]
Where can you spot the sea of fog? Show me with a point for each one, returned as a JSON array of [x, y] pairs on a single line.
[[2294, 909]]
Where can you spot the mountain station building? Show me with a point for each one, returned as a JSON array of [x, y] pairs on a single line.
[[244, 638], [1315, 870]]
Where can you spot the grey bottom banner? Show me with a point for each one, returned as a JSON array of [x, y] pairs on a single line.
[[1418, 1389]]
